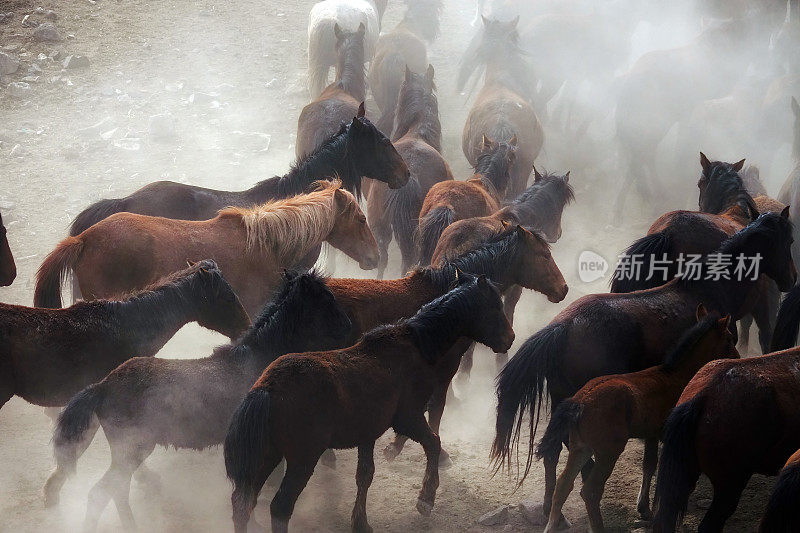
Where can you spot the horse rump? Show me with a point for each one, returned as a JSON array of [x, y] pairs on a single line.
[[430, 229], [650, 247], [95, 213], [53, 272], [247, 439], [402, 208], [564, 418], [73, 423]]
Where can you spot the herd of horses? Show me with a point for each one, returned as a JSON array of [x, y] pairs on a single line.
[[333, 363]]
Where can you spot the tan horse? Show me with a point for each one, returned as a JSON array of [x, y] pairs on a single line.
[[251, 245]]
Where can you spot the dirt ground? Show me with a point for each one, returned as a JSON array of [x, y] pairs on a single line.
[[228, 79]]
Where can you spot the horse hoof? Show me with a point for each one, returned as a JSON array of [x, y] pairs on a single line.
[[563, 524], [255, 527], [390, 452], [362, 528], [424, 508]]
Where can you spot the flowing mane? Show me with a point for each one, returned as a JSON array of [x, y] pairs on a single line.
[[542, 200], [294, 223]]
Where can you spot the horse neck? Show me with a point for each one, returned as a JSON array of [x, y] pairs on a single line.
[[494, 176], [498, 268], [531, 211], [435, 333], [424, 125], [687, 367], [512, 73], [350, 75]]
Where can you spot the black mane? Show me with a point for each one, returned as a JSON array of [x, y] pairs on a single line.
[[543, 200], [725, 189], [687, 341], [416, 106], [350, 68], [493, 167]]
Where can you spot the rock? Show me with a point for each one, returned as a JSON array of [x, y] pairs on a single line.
[[76, 61], [30, 79], [498, 517], [34, 70], [532, 512], [162, 127], [39, 10], [19, 89], [8, 63], [50, 15], [28, 22], [47, 32]]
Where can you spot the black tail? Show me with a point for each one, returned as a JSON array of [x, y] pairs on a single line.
[[646, 248], [520, 388], [430, 229], [391, 72], [73, 422], [247, 439], [678, 468], [95, 213], [565, 417], [782, 514], [785, 334], [402, 208]]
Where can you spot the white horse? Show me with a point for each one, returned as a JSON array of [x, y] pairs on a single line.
[[322, 42]]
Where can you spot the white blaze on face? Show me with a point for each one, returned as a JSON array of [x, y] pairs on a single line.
[[591, 266]]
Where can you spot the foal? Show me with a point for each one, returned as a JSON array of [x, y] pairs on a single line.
[[608, 411], [187, 403], [8, 269], [47, 355], [304, 404], [451, 200]]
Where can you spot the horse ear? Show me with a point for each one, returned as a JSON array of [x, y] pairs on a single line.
[[566, 176], [362, 110], [487, 143], [738, 166], [362, 29], [520, 230], [785, 212], [429, 73], [724, 322], [536, 175], [795, 107], [704, 162], [190, 263], [513, 140], [701, 312], [337, 31]]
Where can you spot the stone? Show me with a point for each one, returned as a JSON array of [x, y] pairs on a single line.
[[34, 70], [498, 517], [39, 10], [28, 22], [50, 15], [532, 512], [75, 61], [8, 63], [19, 89], [47, 32]]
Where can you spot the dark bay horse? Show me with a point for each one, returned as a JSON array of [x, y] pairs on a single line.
[[734, 419], [418, 140], [451, 200], [306, 403], [604, 334], [186, 403], [8, 269], [605, 413], [781, 514], [503, 107], [341, 100], [252, 246], [48, 355]]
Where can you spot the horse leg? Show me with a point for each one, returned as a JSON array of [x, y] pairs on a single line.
[[148, 478], [121, 493], [435, 410], [420, 431], [465, 368], [364, 472], [298, 472], [54, 483], [649, 463], [550, 464], [594, 486], [566, 482], [382, 230], [724, 503], [765, 314], [510, 301], [244, 498]]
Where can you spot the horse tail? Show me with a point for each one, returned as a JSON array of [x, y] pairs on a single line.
[[391, 72], [95, 213], [781, 514], [564, 418], [430, 229], [73, 424], [53, 272], [402, 208], [520, 387], [649, 247], [247, 440], [678, 469], [785, 334]]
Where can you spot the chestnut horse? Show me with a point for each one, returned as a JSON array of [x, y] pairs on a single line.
[[8, 269], [187, 403], [610, 410], [451, 200], [418, 139], [734, 419], [503, 107], [782, 514], [251, 245], [340, 100], [304, 404], [48, 355], [604, 334]]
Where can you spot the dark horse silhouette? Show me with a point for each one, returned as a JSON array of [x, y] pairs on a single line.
[[8, 269]]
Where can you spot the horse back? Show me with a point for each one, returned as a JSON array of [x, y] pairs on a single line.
[[423, 161], [322, 118]]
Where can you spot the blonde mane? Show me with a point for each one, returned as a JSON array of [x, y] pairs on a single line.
[[293, 225]]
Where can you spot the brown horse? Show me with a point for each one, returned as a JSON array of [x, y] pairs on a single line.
[[187, 403], [341, 100], [782, 515], [503, 106], [610, 410], [8, 269], [252, 246], [418, 140], [401, 49], [734, 419], [50, 354], [603, 334], [449, 201], [304, 404]]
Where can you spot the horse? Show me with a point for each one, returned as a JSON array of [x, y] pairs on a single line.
[[781, 513], [418, 141], [186, 403], [306, 403], [324, 17], [450, 200], [608, 411], [502, 109], [401, 49], [48, 355], [341, 99], [734, 419], [8, 269], [790, 191], [603, 334], [251, 245]]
